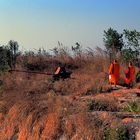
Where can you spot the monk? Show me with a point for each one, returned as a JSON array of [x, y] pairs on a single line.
[[60, 73], [129, 74], [114, 72]]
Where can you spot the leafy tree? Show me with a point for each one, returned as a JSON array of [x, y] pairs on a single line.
[[132, 37], [132, 45], [4, 58], [13, 47], [113, 42]]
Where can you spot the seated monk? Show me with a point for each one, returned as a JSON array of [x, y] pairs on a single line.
[[60, 73], [114, 72], [129, 74]]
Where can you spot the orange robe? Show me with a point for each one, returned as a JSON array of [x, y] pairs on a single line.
[[114, 73], [57, 70], [129, 79]]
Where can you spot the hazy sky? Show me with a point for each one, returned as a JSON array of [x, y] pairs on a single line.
[[42, 23]]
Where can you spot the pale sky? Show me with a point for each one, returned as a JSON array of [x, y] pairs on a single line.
[[42, 23]]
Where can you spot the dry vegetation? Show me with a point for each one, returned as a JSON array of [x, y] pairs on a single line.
[[31, 108]]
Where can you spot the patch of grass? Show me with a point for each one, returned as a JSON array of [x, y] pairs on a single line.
[[132, 107], [120, 133], [103, 105], [97, 106]]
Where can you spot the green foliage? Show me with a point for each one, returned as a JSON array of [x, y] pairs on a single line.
[[131, 48], [126, 43], [129, 54], [113, 42], [13, 47], [8, 55], [132, 38], [120, 133], [4, 58], [98, 105], [132, 107]]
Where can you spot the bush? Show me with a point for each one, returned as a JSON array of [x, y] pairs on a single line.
[[103, 105], [120, 133], [4, 59], [35, 66], [8, 56], [132, 107]]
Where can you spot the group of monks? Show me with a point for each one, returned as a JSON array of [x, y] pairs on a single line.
[[114, 73]]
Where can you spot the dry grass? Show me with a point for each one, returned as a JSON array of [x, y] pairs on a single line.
[[33, 109], [41, 117]]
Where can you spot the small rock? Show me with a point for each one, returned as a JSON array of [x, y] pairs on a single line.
[[127, 120]]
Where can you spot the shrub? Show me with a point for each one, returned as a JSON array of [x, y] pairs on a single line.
[[8, 56], [35, 66], [120, 133], [132, 107], [4, 59], [103, 105]]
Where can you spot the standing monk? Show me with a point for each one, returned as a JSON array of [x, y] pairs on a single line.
[[129, 74], [114, 72]]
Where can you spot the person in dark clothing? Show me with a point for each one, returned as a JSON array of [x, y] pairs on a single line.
[[60, 73]]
